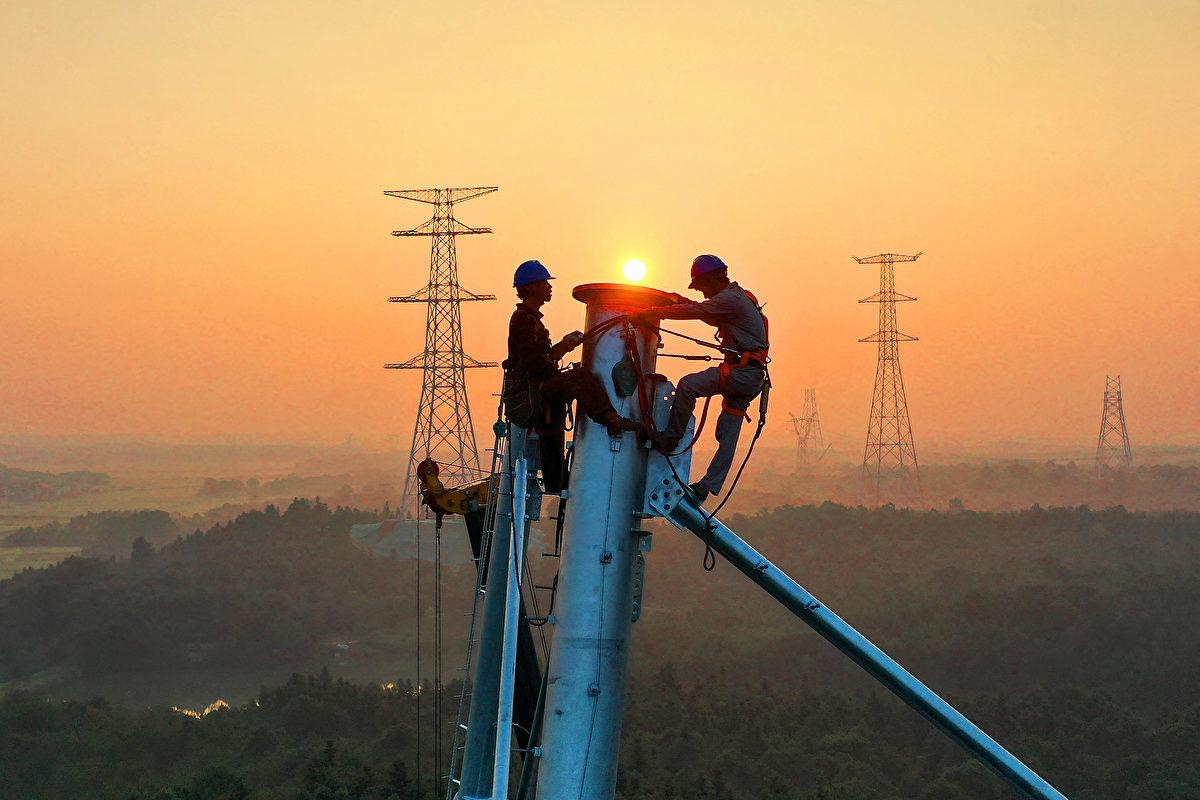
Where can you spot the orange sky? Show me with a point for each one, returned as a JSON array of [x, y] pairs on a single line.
[[194, 242]]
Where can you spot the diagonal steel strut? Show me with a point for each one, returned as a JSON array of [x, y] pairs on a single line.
[[879, 664]]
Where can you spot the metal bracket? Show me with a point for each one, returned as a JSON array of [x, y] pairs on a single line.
[[663, 489], [663, 495], [639, 584]]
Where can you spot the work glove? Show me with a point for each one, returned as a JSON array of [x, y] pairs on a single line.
[[569, 343]]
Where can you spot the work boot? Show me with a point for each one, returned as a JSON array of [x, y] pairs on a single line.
[[617, 424], [700, 492]]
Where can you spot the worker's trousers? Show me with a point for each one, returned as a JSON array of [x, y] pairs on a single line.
[[558, 391], [742, 386]]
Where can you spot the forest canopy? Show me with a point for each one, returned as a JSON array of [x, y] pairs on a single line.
[[1054, 628]]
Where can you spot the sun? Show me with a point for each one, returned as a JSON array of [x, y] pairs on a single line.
[[634, 269]]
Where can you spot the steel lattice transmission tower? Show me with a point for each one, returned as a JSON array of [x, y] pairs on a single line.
[[890, 456], [807, 426], [1112, 448], [443, 429]]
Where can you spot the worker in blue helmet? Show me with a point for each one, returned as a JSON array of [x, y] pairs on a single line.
[[537, 393], [742, 334]]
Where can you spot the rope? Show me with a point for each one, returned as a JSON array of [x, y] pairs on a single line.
[[762, 421], [437, 654], [599, 328], [710, 559], [648, 421], [702, 342], [698, 431], [686, 357], [418, 626]]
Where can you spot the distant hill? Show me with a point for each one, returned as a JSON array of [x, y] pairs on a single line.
[[107, 533], [25, 486], [774, 479]]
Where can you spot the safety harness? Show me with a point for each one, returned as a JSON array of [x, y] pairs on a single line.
[[731, 357], [744, 358]]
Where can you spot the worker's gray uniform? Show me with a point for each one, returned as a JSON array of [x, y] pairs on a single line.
[[741, 326]]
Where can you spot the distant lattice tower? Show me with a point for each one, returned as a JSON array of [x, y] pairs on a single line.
[[810, 442], [890, 456], [443, 429], [1112, 448]]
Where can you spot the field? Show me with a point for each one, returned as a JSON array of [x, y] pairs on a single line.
[[171, 493], [15, 559]]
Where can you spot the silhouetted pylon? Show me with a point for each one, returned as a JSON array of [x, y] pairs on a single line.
[[443, 429], [1112, 448], [810, 442], [890, 456]]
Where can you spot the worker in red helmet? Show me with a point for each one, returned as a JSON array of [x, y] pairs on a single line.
[[742, 334], [537, 393]]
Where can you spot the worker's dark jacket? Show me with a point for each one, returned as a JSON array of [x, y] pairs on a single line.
[[529, 349]]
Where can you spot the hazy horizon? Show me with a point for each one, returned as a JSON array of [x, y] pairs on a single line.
[[196, 241]]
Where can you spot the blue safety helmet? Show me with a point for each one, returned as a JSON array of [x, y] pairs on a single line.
[[531, 272], [703, 264]]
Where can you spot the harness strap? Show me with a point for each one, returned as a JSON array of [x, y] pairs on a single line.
[[726, 369], [746, 357], [737, 412], [753, 356]]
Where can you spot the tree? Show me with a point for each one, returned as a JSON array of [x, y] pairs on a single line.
[[141, 550], [217, 783], [398, 782]]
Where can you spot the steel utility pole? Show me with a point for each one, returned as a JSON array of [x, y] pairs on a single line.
[[615, 485], [1112, 448], [443, 430], [890, 456]]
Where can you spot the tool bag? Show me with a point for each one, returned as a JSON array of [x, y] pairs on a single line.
[[522, 399]]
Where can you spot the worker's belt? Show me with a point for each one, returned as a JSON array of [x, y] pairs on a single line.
[[747, 357]]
